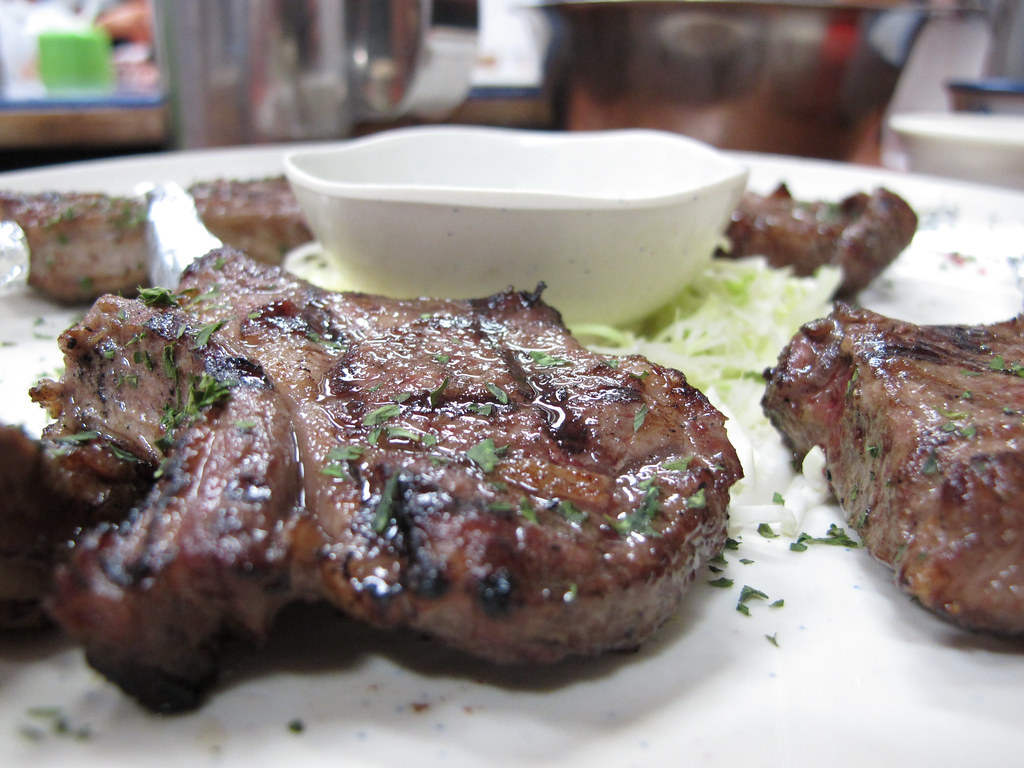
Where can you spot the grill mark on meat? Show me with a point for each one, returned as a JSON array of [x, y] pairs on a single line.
[[203, 555], [923, 432]]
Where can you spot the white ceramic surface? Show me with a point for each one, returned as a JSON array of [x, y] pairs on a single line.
[[975, 147], [848, 673], [612, 222]]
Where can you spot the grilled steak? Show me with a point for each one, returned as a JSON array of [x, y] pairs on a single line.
[[83, 245], [80, 245], [462, 468], [924, 439], [260, 217], [861, 235], [50, 489]]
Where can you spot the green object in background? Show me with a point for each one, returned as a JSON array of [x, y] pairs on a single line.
[[76, 62]]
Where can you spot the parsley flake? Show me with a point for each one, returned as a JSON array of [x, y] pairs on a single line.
[[499, 394], [640, 417], [158, 297], [203, 337], [378, 416], [544, 360], [485, 455]]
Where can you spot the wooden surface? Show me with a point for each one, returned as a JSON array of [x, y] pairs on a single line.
[[82, 126]]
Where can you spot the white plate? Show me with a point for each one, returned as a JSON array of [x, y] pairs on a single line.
[[857, 675]]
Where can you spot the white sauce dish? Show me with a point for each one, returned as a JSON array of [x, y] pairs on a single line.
[[614, 223]]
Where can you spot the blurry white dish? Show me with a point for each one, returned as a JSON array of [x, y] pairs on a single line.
[[975, 147], [614, 223]]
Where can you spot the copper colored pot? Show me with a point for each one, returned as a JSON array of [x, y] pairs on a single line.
[[809, 79]]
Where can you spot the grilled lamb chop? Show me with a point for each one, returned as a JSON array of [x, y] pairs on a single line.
[[861, 235], [50, 490], [462, 468], [260, 217], [83, 245], [923, 433]]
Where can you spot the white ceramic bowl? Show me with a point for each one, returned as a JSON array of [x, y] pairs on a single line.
[[964, 145], [614, 223]]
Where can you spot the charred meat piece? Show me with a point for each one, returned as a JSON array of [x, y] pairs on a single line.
[[861, 235], [207, 553], [465, 469], [50, 489], [83, 245], [260, 217], [923, 431]]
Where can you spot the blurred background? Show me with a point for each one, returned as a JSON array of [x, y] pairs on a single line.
[[806, 78]]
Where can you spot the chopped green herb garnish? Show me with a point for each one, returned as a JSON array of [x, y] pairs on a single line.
[[545, 360], [640, 417], [639, 521], [697, 500], [158, 297], [485, 455], [382, 514], [203, 337], [766, 530], [169, 365], [835, 536], [379, 415], [721, 583], [748, 593], [78, 437], [570, 512], [526, 509], [678, 465], [435, 394], [338, 457], [206, 391], [122, 454], [401, 433], [499, 394]]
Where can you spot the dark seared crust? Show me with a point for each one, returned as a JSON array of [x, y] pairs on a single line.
[[207, 553], [923, 430], [861, 235], [84, 245], [579, 533], [51, 489]]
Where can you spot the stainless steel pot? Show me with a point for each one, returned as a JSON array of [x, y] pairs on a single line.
[[801, 78], [248, 71]]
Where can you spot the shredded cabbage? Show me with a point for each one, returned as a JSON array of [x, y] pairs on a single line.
[[722, 332]]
